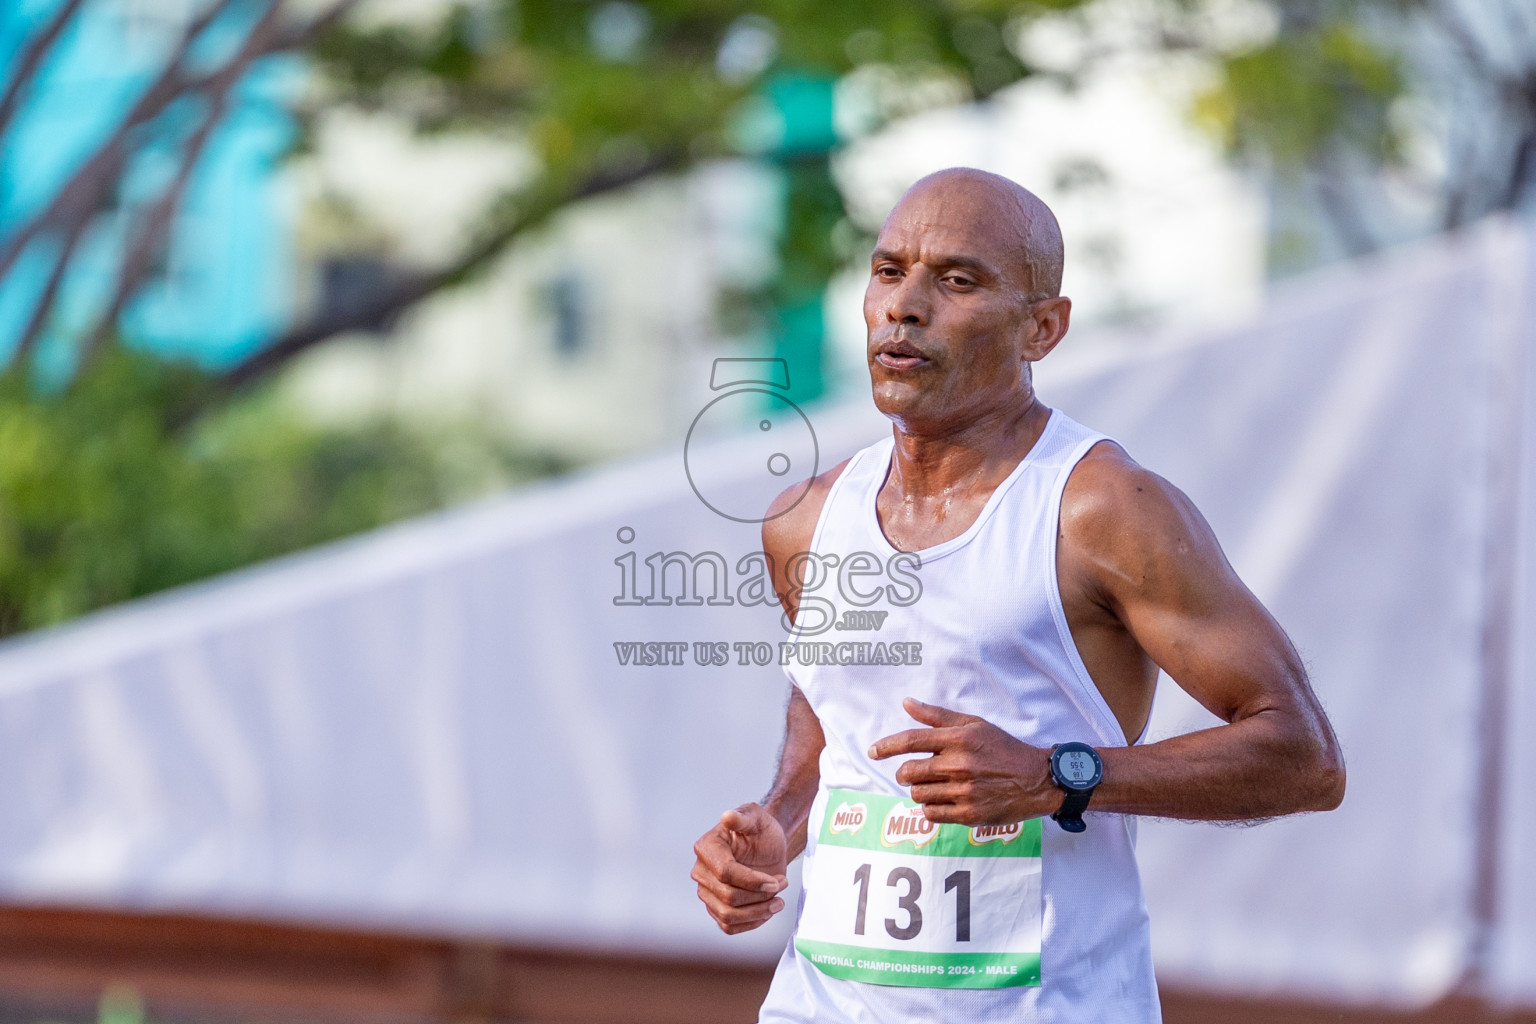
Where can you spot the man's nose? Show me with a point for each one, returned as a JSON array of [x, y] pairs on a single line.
[[909, 302]]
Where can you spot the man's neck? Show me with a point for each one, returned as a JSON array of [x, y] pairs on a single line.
[[959, 460]]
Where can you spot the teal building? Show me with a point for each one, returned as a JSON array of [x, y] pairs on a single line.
[[221, 286]]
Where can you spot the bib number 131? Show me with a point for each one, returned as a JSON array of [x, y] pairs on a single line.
[[957, 881], [894, 899]]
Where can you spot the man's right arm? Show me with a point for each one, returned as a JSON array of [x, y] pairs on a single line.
[[794, 789], [741, 863]]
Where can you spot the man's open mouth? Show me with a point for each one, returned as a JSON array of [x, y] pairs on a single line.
[[899, 355]]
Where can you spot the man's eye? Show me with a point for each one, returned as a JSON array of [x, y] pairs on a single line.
[[962, 282], [889, 273]]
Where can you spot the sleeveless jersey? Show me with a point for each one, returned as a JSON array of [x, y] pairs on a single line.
[[994, 642]]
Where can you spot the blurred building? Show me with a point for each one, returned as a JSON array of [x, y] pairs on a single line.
[[592, 337]]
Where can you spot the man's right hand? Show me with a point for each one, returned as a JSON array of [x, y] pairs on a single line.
[[742, 864]]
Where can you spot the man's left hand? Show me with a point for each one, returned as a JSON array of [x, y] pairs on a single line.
[[978, 774]]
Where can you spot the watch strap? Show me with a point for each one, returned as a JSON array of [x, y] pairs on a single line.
[[1070, 814]]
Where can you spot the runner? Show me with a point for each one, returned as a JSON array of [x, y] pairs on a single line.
[[968, 821]]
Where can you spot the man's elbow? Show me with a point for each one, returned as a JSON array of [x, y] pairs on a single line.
[[1324, 779]]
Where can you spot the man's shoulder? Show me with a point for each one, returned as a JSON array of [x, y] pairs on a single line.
[[1112, 503], [791, 518]]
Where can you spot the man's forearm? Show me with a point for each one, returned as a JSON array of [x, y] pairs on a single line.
[[1262, 766], [794, 787]]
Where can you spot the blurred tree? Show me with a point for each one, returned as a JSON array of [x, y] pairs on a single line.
[[611, 92], [1338, 94], [606, 93], [106, 495], [1393, 116]]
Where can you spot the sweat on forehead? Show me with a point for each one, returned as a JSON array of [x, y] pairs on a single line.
[[992, 204]]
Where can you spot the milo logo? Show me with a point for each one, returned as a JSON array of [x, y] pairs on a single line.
[[848, 817], [996, 833], [907, 825]]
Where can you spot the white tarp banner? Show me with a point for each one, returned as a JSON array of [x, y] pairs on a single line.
[[447, 725], [1511, 974]]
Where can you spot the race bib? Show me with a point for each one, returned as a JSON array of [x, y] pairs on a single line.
[[894, 899]]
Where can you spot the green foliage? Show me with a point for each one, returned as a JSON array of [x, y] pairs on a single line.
[[603, 90], [1306, 92], [580, 74], [104, 496], [1321, 86], [600, 88]]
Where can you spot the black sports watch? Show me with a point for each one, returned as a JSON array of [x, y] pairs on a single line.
[[1076, 768]]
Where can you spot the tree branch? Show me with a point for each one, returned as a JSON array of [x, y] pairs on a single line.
[[137, 260], [153, 223], [31, 59], [319, 23], [82, 194], [34, 326], [409, 290]]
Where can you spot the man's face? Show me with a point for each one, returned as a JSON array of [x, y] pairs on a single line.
[[947, 309]]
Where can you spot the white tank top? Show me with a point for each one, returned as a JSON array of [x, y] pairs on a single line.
[[995, 643]]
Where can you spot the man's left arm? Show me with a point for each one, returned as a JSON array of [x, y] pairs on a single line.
[[1139, 548]]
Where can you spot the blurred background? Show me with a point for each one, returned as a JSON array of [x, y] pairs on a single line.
[[354, 356]]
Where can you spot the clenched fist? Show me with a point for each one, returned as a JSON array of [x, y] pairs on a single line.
[[742, 865]]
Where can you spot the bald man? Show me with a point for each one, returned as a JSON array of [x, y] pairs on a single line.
[[968, 820]]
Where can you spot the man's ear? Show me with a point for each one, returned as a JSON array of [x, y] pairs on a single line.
[[1051, 319]]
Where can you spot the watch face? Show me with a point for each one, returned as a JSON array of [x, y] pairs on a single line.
[[1077, 768]]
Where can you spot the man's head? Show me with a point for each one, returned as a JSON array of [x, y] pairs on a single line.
[[964, 293]]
